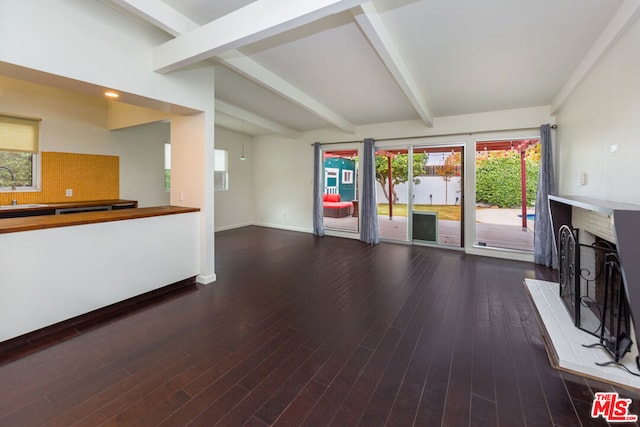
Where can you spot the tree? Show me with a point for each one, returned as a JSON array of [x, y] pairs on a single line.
[[399, 171], [20, 164]]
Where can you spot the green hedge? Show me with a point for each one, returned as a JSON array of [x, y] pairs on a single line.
[[498, 181]]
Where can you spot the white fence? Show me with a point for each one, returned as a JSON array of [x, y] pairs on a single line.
[[431, 190]]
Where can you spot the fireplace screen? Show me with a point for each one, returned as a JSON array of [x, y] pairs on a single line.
[[592, 288]]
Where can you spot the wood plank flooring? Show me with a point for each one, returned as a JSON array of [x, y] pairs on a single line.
[[311, 331]]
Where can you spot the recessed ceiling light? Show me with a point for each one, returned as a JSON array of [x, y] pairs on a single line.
[[111, 94]]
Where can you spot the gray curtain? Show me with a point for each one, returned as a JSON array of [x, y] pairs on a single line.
[[543, 247], [369, 232], [318, 228]]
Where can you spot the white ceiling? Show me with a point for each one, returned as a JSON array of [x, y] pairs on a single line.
[[389, 60]]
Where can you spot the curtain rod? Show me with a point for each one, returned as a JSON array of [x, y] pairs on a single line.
[[434, 136]]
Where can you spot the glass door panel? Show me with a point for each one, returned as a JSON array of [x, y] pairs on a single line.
[[340, 195], [506, 184], [437, 199], [392, 175]]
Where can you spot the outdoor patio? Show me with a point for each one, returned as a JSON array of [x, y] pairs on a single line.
[[498, 228]]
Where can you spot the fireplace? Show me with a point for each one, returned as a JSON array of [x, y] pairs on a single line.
[[598, 247], [591, 287]]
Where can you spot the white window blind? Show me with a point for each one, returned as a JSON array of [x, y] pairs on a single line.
[[19, 134]]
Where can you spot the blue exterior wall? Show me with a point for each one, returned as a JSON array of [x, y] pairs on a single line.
[[347, 191]]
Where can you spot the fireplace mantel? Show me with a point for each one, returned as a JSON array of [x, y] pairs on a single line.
[[616, 222]]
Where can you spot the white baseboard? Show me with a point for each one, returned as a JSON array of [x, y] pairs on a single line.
[[284, 227], [233, 226]]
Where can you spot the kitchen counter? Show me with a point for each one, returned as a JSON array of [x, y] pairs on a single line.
[[13, 225], [33, 209], [56, 267]]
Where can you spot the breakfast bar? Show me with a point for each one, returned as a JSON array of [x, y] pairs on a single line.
[[57, 267]]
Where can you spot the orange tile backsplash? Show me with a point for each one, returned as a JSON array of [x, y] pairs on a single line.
[[89, 176]]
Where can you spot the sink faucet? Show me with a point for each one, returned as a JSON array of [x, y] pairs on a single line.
[[13, 182]]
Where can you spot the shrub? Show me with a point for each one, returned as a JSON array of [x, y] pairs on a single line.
[[498, 181]]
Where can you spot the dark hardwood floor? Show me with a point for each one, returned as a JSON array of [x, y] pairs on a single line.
[[305, 331]]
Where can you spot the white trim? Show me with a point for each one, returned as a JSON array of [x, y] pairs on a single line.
[[205, 279], [284, 227], [234, 226], [500, 253]]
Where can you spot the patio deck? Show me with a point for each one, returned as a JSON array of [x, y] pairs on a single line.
[[497, 228]]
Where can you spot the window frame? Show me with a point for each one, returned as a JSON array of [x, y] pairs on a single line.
[[36, 167], [11, 142], [221, 174]]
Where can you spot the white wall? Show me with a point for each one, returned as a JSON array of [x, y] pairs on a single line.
[[142, 163], [234, 207], [283, 183], [604, 110], [89, 41]]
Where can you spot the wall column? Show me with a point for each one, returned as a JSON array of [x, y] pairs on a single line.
[[192, 151]]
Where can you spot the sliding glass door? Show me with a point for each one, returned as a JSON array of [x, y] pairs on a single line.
[[392, 176], [420, 194], [340, 194], [506, 184], [438, 196]]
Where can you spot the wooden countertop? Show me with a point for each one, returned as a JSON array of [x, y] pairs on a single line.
[[13, 225]]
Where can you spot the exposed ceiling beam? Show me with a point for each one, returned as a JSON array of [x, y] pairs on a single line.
[[254, 119], [173, 22], [261, 75], [374, 29], [256, 21], [626, 14], [159, 14]]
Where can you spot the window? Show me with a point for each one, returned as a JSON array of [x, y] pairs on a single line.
[[18, 150], [347, 177], [167, 166], [220, 174]]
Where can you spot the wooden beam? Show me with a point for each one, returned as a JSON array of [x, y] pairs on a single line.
[[256, 21], [170, 20], [254, 119], [159, 14], [374, 29], [264, 77]]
